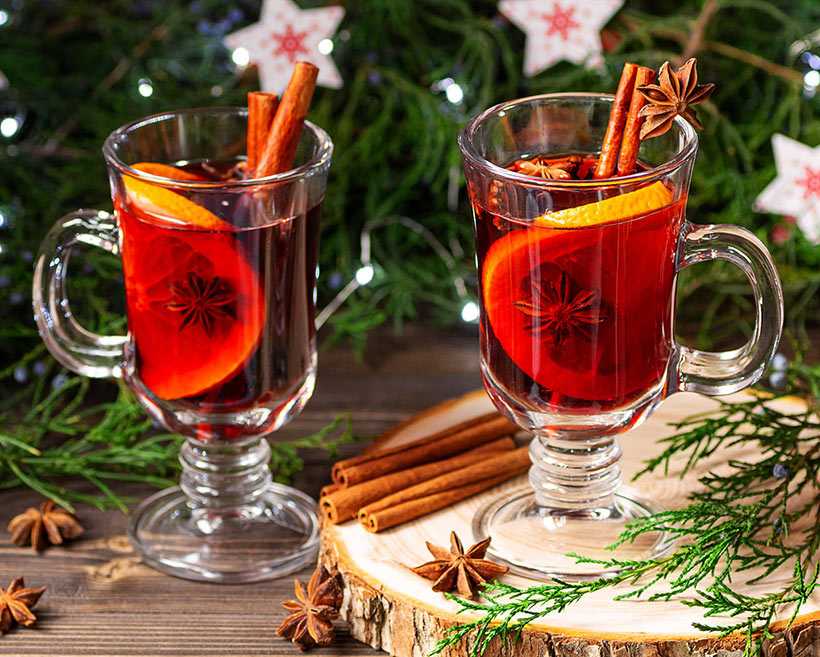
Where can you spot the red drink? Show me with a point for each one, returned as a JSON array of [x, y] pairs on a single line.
[[577, 320], [221, 319]]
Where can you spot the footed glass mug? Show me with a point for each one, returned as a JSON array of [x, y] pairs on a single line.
[[219, 282], [577, 318]]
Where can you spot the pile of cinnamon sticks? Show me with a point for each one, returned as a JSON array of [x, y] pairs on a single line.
[[386, 488], [274, 128], [622, 138]]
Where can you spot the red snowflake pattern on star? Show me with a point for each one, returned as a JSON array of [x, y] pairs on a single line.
[[811, 183], [290, 43], [560, 22]]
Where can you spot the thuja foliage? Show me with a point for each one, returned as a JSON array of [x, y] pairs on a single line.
[[52, 434], [737, 529]]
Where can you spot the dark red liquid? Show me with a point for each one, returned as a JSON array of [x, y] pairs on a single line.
[[222, 321], [577, 320]]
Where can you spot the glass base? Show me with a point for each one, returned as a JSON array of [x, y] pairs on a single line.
[[276, 535], [534, 540]]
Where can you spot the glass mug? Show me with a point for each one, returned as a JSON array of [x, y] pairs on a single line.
[[577, 323], [220, 283]]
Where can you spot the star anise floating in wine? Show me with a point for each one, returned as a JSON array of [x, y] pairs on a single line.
[[16, 603], [560, 310], [455, 568], [540, 167], [673, 96], [313, 610], [202, 301], [50, 524]]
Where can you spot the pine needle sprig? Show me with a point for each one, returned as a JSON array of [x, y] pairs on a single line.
[[737, 527]]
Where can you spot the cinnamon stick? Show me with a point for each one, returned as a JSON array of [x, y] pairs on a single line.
[[608, 161], [377, 521], [632, 130], [286, 129], [436, 447], [327, 490], [437, 493], [261, 109], [344, 503]]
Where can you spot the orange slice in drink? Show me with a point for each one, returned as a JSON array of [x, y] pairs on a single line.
[[165, 205], [560, 258], [616, 208], [196, 307]]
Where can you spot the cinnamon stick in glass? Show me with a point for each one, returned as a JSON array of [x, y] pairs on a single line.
[[608, 161], [261, 110], [433, 448], [344, 503], [631, 141], [286, 129]]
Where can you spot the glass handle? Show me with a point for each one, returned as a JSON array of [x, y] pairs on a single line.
[[725, 372], [72, 345]]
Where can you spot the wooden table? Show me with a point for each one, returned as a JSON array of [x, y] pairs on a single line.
[[102, 601]]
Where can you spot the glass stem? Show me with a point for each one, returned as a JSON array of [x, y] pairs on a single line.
[[575, 474], [224, 476]]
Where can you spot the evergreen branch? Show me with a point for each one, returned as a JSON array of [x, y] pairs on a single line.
[[737, 523]]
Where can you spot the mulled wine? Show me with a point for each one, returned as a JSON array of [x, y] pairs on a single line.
[[577, 319], [219, 299]]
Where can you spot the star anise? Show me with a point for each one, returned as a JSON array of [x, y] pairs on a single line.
[[16, 603], [559, 310], [310, 614], [540, 167], [460, 569], [673, 96], [51, 524], [201, 301]]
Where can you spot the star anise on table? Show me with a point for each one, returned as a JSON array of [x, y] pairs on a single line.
[[201, 301], [674, 95], [559, 310], [313, 610], [16, 603], [49, 524], [455, 568], [540, 167]]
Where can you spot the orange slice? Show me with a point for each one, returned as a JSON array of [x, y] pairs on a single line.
[[167, 206], [168, 171], [590, 258], [632, 204], [178, 360]]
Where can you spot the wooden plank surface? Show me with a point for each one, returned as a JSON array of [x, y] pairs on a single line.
[[102, 601]]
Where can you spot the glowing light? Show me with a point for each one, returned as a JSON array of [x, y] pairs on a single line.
[[3, 220], [325, 46], [812, 78], [241, 57], [4, 17], [364, 275], [145, 87], [814, 61], [454, 93], [9, 126], [469, 313]]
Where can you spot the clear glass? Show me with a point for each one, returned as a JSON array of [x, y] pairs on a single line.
[[577, 323], [220, 282]]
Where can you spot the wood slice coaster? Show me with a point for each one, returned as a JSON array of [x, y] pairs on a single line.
[[389, 607]]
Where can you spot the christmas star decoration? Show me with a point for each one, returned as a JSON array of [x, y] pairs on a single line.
[[795, 192], [286, 34], [560, 29]]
